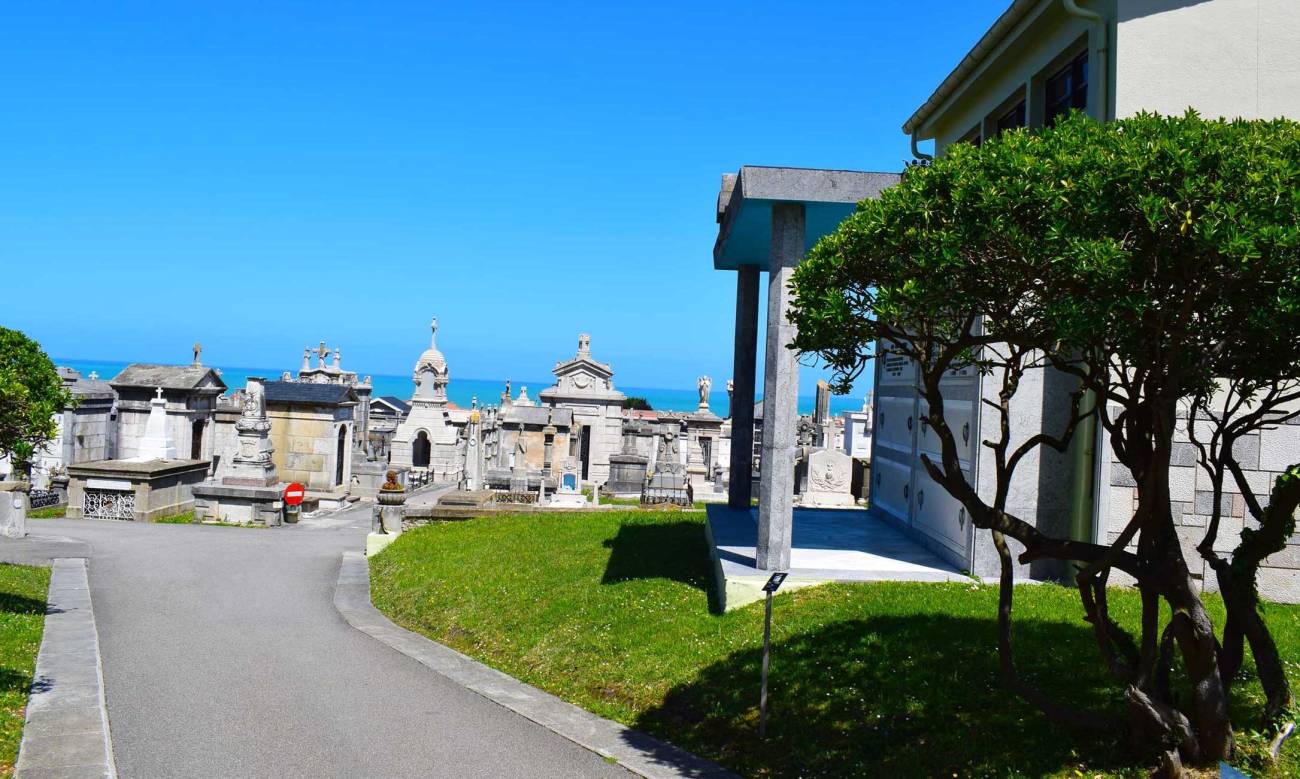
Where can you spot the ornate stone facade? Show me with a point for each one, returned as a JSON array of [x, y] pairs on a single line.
[[585, 387], [426, 439]]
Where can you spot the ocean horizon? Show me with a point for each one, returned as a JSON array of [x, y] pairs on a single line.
[[463, 392]]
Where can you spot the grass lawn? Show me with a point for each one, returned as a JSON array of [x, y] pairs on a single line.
[[49, 512], [187, 518], [611, 611], [22, 618]]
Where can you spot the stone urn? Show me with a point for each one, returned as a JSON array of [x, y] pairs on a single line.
[[390, 498]]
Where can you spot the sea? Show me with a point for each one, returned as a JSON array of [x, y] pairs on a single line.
[[463, 392]]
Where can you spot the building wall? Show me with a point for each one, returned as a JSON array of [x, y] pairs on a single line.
[[182, 411], [605, 418], [901, 487], [1040, 44], [306, 440], [1229, 58], [1263, 457]]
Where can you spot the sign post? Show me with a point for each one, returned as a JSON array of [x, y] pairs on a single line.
[[293, 497], [773, 584]]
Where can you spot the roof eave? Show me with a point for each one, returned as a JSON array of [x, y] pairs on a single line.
[[991, 39]]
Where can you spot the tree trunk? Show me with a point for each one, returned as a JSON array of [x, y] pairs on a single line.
[[1159, 547]]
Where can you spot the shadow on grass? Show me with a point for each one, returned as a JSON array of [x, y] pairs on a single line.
[[658, 551], [20, 604], [891, 696]]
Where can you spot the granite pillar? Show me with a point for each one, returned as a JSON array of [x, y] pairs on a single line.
[[780, 393], [739, 489]]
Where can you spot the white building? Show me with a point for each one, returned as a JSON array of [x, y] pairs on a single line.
[[1229, 58]]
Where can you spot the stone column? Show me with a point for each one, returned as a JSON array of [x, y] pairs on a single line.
[[739, 489], [780, 394]]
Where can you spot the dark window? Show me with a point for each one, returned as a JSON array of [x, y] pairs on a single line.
[[1013, 118], [1067, 89], [973, 137]]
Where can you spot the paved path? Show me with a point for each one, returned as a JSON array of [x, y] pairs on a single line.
[[224, 656]]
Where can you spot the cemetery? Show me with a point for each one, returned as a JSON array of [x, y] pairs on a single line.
[[1057, 538]]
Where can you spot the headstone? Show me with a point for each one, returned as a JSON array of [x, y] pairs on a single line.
[[830, 478], [627, 469], [666, 481], [251, 466], [157, 442], [567, 493]]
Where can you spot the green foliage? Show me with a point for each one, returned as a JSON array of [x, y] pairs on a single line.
[[611, 612], [22, 621], [1166, 240], [31, 393], [185, 518], [49, 512], [637, 403]]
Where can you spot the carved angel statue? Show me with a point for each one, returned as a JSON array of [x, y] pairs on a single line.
[[705, 385]]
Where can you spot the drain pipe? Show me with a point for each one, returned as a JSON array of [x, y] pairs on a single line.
[[1103, 54], [917, 154], [1086, 451]]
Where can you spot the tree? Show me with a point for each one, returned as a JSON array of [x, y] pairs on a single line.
[[1156, 260], [636, 403], [31, 393]]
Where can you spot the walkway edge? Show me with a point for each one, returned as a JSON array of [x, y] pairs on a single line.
[[637, 752], [66, 733]]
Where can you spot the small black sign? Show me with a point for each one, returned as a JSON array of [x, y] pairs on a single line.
[[774, 583]]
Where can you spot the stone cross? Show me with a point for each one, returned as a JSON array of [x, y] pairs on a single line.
[[433, 338], [321, 354]]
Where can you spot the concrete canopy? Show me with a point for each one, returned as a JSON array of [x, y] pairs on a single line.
[[745, 207]]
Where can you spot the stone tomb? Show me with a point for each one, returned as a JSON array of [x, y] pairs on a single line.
[[666, 481], [249, 490], [568, 493], [627, 469], [585, 386], [829, 478], [152, 485]]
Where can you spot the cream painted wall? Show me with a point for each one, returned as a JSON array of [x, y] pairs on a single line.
[[1024, 57], [1230, 58]]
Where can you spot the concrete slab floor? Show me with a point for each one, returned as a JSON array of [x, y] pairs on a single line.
[[828, 545]]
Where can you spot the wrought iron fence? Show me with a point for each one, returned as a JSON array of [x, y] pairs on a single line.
[[42, 498], [109, 504]]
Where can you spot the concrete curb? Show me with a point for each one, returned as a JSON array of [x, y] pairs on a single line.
[[637, 752], [66, 733]]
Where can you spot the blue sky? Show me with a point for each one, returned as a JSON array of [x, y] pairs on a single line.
[[258, 177]]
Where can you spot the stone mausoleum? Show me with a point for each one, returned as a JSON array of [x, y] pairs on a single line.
[[426, 439], [585, 386]]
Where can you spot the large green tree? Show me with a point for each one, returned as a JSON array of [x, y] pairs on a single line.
[[31, 393], [1157, 261]]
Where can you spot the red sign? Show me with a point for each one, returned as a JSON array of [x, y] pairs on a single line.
[[294, 493]]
